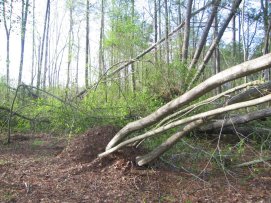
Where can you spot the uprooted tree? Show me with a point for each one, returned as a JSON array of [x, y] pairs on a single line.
[[178, 113]]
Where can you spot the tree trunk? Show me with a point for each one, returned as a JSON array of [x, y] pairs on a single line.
[[70, 44], [25, 6], [236, 120], [87, 46], [167, 31], [41, 48], [7, 30], [187, 31], [45, 69], [33, 43]]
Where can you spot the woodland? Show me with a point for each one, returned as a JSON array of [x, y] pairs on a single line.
[[135, 101]]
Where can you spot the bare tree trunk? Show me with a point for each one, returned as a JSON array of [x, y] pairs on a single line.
[[46, 49], [33, 43], [266, 48], [233, 36], [235, 72], [41, 48], [216, 53], [187, 31], [155, 31], [236, 120], [25, 6], [87, 46], [70, 42], [77, 60], [8, 30], [132, 48], [102, 69], [167, 31]]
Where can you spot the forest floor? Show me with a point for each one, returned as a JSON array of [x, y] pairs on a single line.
[[45, 168]]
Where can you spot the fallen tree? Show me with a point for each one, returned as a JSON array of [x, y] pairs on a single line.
[[227, 75], [187, 124]]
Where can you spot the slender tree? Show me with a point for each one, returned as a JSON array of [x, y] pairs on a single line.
[[187, 31], [166, 31], [87, 45], [24, 14], [8, 27], [41, 47], [70, 42], [46, 57]]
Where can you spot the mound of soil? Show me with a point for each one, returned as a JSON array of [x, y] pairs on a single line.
[[85, 148]]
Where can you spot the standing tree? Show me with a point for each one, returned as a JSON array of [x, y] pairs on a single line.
[[24, 14], [7, 11], [87, 45], [187, 31]]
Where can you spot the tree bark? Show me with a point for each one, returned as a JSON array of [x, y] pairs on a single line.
[[236, 120], [41, 48], [251, 93], [235, 72], [8, 28], [25, 6], [87, 46], [187, 31], [167, 31]]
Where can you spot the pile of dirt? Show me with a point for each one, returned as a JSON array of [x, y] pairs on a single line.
[[85, 148]]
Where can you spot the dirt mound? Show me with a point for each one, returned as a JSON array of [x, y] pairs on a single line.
[[85, 148]]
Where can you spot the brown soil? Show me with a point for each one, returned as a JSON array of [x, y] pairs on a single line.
[[43, 168]]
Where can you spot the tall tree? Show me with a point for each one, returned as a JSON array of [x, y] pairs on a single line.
[[155, 30], [24, 14], [87, 45], [166, 31], [7, 18], [101, 42], [41, 47], [33, 41], [187, 30], [70, 41], [46, 57]]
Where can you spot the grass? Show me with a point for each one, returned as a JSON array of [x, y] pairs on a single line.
[[3, 162], [37, 143]]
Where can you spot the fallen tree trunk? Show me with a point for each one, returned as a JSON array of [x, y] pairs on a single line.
[[235, 72], [193, 107], [233, 130], [202, 116], [142, 160], [237, 120], [251, 93]]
